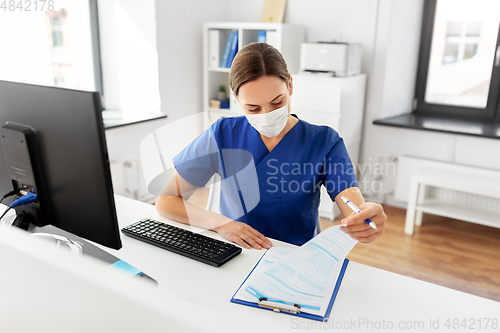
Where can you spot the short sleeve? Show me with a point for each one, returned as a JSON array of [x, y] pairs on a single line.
[[199, 160], [339, 171]]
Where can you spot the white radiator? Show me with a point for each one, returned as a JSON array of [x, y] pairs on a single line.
[[128, 180], [407, 165]]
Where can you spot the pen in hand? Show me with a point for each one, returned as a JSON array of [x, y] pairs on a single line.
[[355, 209]]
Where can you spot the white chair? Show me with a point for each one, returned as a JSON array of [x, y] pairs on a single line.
[[318, 226], [214, 194]]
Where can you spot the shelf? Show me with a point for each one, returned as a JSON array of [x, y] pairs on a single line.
[[462, 178], [460, 212], [225, 111], [218, 69], [246, 25]]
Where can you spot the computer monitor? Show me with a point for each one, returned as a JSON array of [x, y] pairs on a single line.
[[72, 166]]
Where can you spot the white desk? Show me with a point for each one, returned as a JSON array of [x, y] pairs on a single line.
[[367, 294], [45, 289]]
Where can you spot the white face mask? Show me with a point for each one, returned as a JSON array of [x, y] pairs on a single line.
[[269, 124]]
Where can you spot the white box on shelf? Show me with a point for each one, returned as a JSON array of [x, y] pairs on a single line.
[[272, 38], [233, 104], [214, 48]]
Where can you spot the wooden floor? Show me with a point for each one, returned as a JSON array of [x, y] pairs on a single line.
[[451, 253]]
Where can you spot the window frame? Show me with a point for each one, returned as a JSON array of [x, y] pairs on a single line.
[[96, 49], [492, 110], [57, 31]]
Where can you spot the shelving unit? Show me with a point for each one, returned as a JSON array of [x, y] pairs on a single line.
[[285, 37]]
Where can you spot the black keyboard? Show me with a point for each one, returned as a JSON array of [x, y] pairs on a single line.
[[184, 242]]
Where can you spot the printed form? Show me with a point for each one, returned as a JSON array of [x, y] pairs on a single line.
[[304, 276]]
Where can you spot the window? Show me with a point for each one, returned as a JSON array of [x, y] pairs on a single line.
[[458, 72], [58, 47], [56, 31]]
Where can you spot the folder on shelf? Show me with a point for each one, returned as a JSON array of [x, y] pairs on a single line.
[[233, 51], [261, 37], [227, 49], [302, 282]]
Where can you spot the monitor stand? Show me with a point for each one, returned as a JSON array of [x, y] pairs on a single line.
[[22, 221], [87, 248], [61, 242]]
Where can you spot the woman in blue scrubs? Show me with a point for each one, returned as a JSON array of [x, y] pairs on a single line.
[[271, 163]]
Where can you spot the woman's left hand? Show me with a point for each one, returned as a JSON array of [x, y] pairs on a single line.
[[356, 227]]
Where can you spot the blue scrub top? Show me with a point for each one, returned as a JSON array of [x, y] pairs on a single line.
[[277, 192]]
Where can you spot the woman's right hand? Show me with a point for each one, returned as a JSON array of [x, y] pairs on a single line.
[[243, 234]]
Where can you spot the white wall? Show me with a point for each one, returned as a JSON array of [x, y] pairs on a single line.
[[390, 91], [179, 40]]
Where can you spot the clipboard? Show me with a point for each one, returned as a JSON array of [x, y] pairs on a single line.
[[293, 309]]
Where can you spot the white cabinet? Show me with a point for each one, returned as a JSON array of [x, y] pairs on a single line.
[[284, 37], [335, 102]]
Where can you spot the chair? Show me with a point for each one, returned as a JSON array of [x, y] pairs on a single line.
[[318, 226], [214, 194]]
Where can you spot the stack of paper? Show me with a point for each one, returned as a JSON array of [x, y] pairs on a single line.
[[306, 276]]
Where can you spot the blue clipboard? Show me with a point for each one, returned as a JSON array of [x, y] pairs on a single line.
[[300, 314]]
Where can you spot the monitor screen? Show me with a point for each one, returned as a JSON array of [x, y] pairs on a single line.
[[70, 136]]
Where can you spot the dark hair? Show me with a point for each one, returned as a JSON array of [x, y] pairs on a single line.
[[254, 61]]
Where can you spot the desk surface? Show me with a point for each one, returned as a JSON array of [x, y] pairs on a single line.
[[369, 298]]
